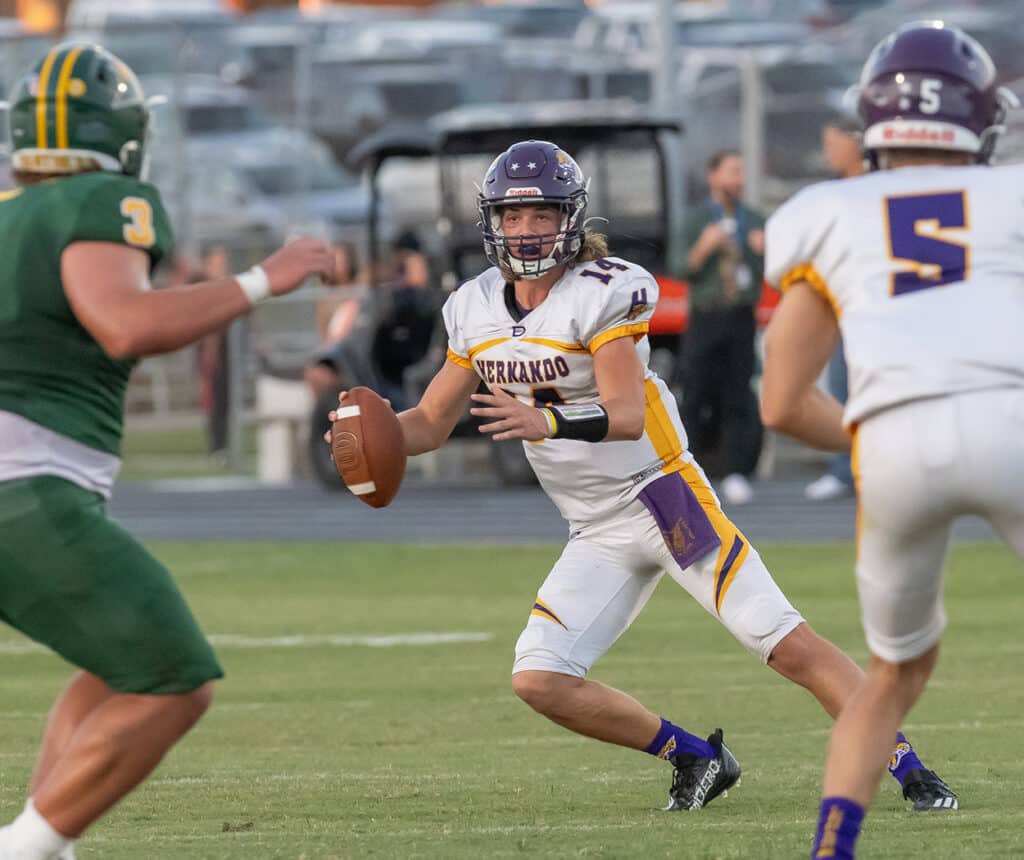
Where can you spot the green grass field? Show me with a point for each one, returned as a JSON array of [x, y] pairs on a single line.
[[339, 750]]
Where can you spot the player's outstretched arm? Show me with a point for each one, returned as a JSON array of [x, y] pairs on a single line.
[[108, 288], [430, 422], [798, 344]]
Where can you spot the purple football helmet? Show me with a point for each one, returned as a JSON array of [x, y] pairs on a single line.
[[931, 86], [533, 172]]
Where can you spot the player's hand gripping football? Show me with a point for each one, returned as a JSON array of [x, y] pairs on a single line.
[[512, 419], [289, 266], [332, 415]]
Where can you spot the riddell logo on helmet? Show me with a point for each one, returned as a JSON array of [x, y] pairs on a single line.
[[524, 192], [919, 134]]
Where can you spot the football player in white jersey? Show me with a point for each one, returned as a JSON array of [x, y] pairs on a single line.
[[920, 263], [557, 330]]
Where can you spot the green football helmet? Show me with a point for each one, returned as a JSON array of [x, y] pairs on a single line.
[[80, 108]]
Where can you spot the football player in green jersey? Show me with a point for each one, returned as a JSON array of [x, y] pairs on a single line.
[[81, 234]]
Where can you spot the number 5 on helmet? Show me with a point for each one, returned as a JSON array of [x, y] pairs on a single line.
[[368, 448]]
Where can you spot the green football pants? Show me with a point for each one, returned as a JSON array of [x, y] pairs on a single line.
[[75, 581]]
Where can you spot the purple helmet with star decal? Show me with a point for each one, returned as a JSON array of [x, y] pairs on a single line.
[[538, 173], [931, 86]]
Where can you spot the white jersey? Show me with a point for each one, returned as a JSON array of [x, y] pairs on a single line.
[[924, 267], [547, 357]]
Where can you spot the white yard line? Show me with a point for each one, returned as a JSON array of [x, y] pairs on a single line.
[[231, 640], [21, 647]]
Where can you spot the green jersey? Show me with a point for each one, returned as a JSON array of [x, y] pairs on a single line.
[[52, 370]]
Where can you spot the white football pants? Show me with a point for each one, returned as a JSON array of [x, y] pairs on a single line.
[[918, 467], [608, 571]]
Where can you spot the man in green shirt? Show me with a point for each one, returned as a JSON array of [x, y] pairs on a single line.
[[724, 264], [81, 235]]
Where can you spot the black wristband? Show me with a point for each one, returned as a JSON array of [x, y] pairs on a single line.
[[587, 422]]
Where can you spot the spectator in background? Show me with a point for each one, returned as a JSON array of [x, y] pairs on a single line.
[[335, 313], [840, 143], [724, 246], [336, 316], [410, 313], [405, 311], [406, 265]]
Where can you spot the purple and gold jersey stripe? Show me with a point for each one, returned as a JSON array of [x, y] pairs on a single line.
[[806, 273], [636, 330], [559, 345], [659, 428], [487, 344], [460, 360], [542, 610]]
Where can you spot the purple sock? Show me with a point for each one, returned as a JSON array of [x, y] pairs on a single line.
[[672, 740], [839, 824], [904, 759]]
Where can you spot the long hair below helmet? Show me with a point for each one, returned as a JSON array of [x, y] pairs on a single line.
[[533, 173]]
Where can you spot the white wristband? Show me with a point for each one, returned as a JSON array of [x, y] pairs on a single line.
[[255, 284]]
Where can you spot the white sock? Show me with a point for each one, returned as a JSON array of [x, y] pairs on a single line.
[[30, 837]]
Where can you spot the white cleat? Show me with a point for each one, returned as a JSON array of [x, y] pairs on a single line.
[[827, 488]]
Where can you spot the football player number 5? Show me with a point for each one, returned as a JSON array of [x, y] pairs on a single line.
[[139, 229], [920, 240]]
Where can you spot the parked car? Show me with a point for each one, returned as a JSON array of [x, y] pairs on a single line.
[[353, 99], [994, 23], [523, 21], [273, 46], [285, 178], [200, 105], [19, 50], [257, 189], [156, 37], [297, 175], [627, 33], [215, 203], [799, 91], [175, 46], [103, 14]]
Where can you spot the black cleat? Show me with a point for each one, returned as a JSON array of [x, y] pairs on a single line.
[[928, 792], [697, 781]]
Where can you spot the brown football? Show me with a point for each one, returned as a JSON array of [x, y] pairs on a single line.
[[367, 447]]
